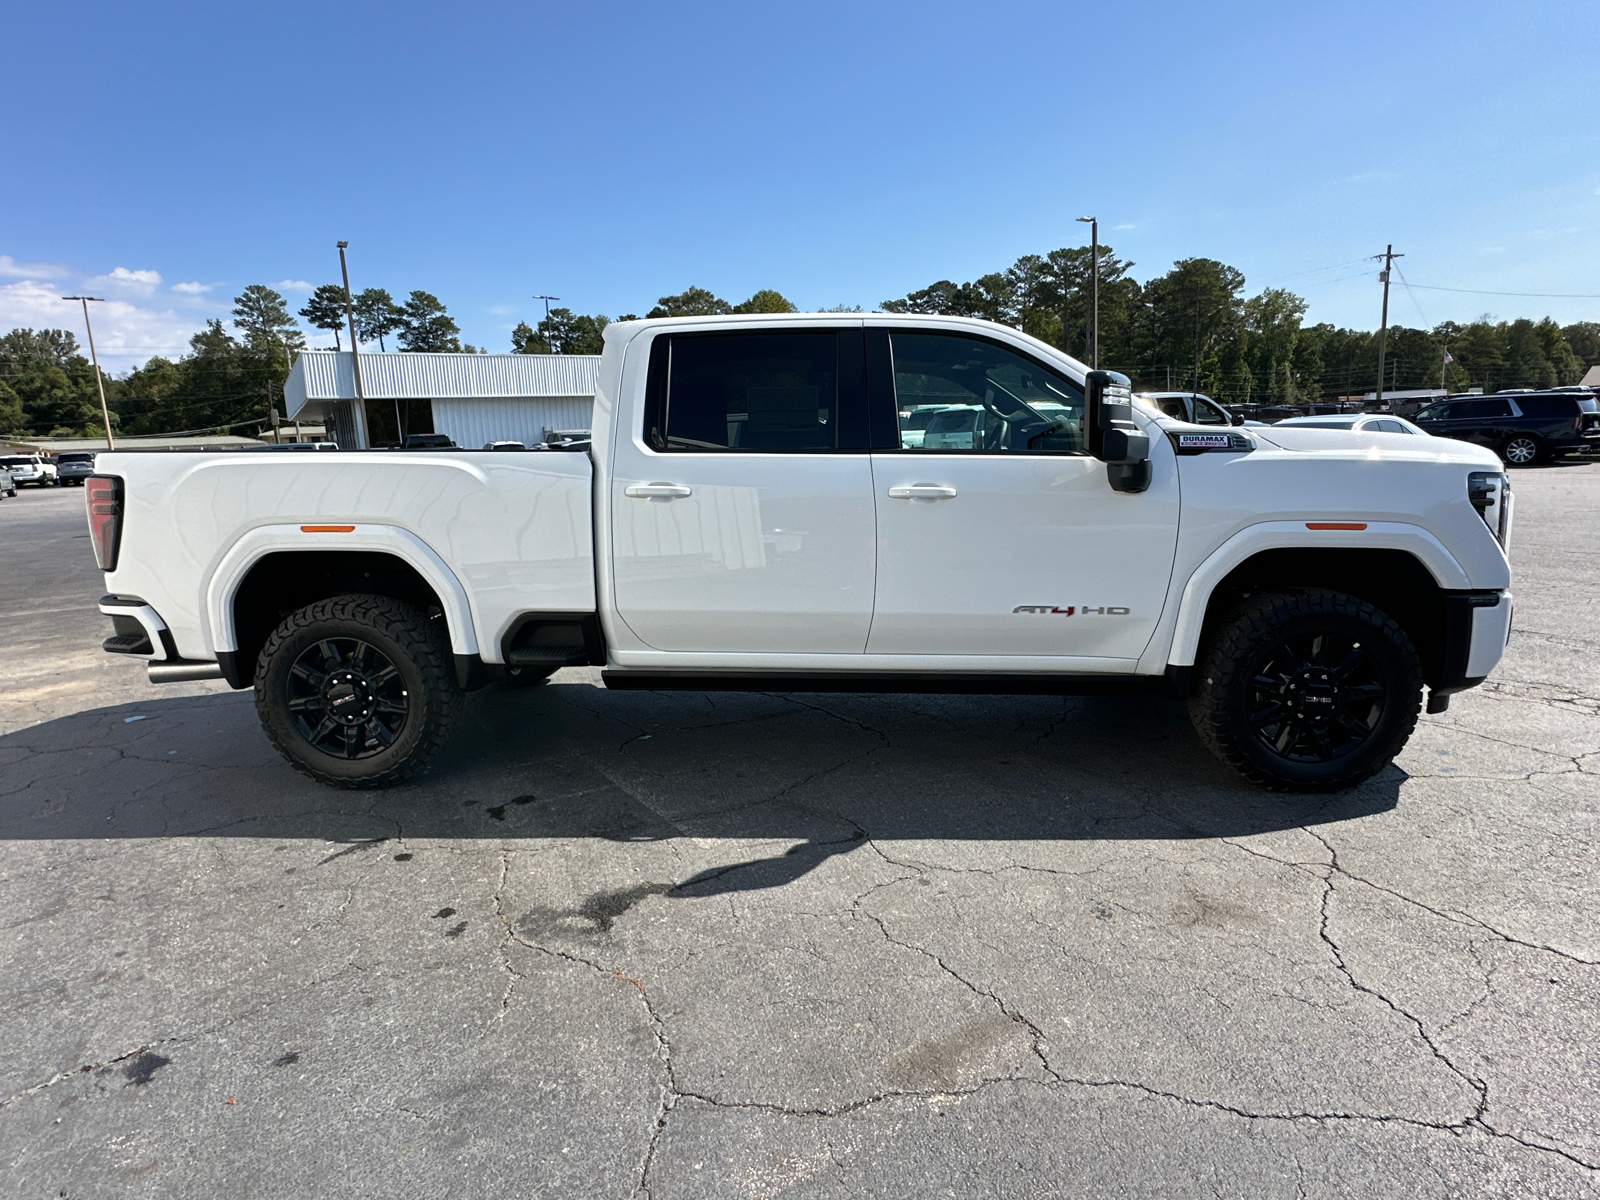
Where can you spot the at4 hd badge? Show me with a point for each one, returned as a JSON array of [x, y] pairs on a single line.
[[1052, 610]]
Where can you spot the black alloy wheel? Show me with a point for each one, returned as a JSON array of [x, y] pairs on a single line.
[[1316, 698], [1521, 450], [1306, 690], [357, 691], [347, 697]]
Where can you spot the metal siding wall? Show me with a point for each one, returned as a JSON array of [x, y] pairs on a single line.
[[474, 423], [327, 375]]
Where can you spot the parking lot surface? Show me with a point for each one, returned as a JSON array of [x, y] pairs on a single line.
[[685, 945]]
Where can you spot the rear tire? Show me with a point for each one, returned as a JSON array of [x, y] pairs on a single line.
[[357, 691], [1307, 691], [1523, 450]]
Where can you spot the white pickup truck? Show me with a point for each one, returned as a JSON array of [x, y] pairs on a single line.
[[759, 509]]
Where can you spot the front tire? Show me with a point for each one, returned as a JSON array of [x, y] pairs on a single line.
[[357, 691], [1307, 691]]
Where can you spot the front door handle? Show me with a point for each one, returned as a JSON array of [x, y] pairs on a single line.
[[652, 491], [921, 491]]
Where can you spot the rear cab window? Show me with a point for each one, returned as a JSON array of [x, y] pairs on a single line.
[[757, 391]]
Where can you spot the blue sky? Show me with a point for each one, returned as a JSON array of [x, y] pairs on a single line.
[[166, 155]]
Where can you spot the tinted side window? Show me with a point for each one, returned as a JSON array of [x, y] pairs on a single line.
[[980, 396], [1207, 413], [1546, 406], [1479, 409], [771, 391]]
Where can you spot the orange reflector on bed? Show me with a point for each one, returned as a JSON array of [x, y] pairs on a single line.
[[352, 528]]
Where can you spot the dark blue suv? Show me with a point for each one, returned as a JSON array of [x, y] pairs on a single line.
[[1523, 427]]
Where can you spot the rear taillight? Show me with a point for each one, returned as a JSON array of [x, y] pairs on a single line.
[[103, 494]]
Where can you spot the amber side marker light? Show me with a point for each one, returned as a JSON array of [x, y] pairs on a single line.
[[1336, 524], [352, 528]]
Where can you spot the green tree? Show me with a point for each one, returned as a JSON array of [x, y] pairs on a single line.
[[764, 301], [562, 332], [695, 302], [325, 310], [1568, 366], [1190, 313], [1584, 340], [263, 318], [524, 340], [54, 346], [1526, 363], [377, 316], [426, 326], [12, 419]]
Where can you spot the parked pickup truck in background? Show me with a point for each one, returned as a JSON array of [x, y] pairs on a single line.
[[759, 508]]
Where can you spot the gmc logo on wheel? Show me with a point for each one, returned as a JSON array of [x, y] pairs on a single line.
[[1106, 610]]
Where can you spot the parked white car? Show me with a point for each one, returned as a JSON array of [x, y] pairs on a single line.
[[750, 515], [1355, 423], [33, 469]]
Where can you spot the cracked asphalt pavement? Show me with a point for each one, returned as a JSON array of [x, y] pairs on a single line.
[[680, 945]]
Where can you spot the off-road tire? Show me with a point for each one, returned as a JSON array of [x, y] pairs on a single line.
[[1243, 647], [418, 649], [525, 677]]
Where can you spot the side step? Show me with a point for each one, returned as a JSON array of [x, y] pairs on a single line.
[[894, 682]]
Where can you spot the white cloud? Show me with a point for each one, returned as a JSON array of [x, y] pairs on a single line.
[[125, 334], [137, 283], [192, 289], [293, 285], [10, 268], [1114, 228]]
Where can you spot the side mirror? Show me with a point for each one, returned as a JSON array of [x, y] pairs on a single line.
[[1112, 435], [1238, 418]]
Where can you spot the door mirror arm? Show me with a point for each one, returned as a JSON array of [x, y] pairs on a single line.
[[1112, 435]]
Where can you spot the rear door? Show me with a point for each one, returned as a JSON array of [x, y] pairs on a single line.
[[1013, 543], [742, 513]]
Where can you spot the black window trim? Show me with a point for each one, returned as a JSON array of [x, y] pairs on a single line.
[[658, 376], [893, 403]]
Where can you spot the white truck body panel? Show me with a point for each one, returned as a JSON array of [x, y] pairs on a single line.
[[511, 531]]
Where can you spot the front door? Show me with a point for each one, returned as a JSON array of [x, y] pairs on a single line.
[[1011, 541], [742, 515]]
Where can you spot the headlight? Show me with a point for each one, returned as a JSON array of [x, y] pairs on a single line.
[[1490, 493]]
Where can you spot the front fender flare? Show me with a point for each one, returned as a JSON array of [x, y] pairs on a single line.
[[1284, 535]]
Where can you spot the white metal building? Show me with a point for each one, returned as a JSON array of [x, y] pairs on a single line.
[[474, 399]]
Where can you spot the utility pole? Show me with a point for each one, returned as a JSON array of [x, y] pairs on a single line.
[[1388, 257], [99, 383], [1094, 302], [547, 300], [360, 409]]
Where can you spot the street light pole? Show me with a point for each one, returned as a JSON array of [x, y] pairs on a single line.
[[105, 412], [1094, 303], [355, 356]]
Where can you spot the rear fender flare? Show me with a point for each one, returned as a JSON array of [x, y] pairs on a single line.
[[384, 539]]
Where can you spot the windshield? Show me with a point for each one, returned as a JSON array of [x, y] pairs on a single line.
[[16, 462]]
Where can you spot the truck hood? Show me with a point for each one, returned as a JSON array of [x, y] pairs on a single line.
[[1345, 443]]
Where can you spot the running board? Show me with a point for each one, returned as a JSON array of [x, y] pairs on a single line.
[[893, 682]]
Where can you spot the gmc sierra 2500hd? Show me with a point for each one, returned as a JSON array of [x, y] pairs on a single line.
[[760, 507]]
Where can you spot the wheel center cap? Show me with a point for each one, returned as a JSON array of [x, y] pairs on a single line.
[[349, 697]]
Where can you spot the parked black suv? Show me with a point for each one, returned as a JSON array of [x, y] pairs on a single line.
[[1524, 427]]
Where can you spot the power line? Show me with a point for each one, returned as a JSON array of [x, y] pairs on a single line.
[[1527, 295]]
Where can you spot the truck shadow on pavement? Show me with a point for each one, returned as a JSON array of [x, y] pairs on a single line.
[[821, 773]]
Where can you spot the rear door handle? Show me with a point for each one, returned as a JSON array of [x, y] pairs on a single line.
[[651, 491], [921, 491]]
